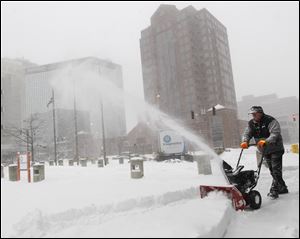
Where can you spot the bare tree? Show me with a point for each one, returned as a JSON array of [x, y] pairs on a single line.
[[28, 135]]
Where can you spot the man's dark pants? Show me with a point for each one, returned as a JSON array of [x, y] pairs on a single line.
[[274, 162]]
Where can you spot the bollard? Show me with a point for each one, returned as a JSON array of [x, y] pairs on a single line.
[[51, 163], [137, 168], [71, 162], [121, 160], [219, 150], [38, 173], [100, 163], [83, 162], [60, 162], [13, 172], [203, 164], [2, 171]]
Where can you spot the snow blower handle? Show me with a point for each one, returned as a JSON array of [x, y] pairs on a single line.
[[249, 145], [261, 160]]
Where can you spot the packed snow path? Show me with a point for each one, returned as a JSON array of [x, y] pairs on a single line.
[[276, 218]]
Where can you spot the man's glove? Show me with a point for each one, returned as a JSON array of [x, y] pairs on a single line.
[[261, 143], [244, 145]]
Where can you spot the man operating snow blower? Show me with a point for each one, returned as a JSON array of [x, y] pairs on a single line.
[[266, 132]]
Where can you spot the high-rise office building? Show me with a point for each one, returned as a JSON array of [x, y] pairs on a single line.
[[187, 67], [39, 92], [12, 103]]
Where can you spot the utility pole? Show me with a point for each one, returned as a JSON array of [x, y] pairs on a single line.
[[27, 140], [103, 132], [75, 122], [54, 128], [32, 140], [102, 123]]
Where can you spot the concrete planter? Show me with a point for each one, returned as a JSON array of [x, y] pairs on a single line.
[[38, 173], [100, 163], [203, 164], [83, 163], [2, 171], [13, 172], [137, 168]]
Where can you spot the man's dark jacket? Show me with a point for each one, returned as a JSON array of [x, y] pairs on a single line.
[[269, 129]]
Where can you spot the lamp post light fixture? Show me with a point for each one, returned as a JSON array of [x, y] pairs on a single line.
[[157, 100]]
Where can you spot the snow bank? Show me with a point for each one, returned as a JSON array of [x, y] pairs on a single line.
[[100, 200], [165, 216]]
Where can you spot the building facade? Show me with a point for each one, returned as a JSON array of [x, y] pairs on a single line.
[[12, 102], [187, 67], [65, 135], [39, 85]]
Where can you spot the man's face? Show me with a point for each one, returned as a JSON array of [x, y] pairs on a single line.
[[257, 116]]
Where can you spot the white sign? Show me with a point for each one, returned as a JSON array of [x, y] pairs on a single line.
[[23, 162], [171, 142]]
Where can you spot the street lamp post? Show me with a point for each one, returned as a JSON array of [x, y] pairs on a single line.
[[75, 126], [32, 140], [157, 100], [103, 132], [102, 122], [54, 127]]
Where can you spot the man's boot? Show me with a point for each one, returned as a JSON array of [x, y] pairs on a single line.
[[282, 189], [273, 194]]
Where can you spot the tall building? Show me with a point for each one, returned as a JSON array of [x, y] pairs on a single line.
[[39, 92], [13, 91], [12, 101], [187, 68]]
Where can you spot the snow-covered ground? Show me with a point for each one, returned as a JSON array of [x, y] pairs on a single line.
[[276, 218], [106, 202]]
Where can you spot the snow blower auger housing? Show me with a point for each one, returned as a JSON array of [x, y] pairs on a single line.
[[238, 201], [242, 184]]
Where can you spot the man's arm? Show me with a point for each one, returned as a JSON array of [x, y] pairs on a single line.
[[248, 134], [274, 129]]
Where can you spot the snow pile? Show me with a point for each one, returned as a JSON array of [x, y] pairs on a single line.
[[105, 202], [165, 216]]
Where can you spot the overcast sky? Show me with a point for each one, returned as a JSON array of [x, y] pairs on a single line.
[[263, 38]]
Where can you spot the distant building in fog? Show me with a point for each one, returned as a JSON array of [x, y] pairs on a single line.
[[285, 110], [38, 92], [65, 134], [12, 101]]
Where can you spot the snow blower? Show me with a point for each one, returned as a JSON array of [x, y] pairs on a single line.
[[242, 184]]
